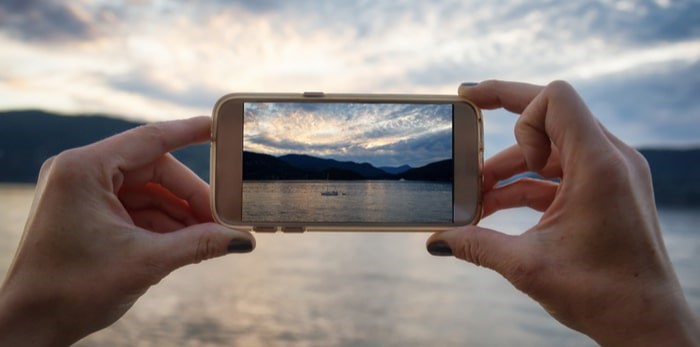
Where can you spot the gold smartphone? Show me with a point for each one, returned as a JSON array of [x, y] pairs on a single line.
[[346, 162]]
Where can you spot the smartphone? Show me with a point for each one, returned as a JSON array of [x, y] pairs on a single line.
[[345, 162]]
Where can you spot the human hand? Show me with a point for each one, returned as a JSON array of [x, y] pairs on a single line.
[[108, 221], [596, 260]]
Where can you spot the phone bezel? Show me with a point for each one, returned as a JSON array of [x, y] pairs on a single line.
[[227, 157]]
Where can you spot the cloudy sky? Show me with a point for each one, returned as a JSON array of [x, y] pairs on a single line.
[[637, 63], [381, 134]]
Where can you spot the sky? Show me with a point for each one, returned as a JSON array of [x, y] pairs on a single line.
[[381, 134], [636, 63]]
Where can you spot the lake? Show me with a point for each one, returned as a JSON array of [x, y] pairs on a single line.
[[345, 289], [347, 201]]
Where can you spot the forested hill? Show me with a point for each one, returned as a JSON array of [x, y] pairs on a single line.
[[28, 137]]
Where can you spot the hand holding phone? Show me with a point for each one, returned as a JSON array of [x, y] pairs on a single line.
[[348, 162]]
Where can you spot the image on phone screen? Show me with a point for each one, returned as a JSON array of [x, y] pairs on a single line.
[[347, 162]]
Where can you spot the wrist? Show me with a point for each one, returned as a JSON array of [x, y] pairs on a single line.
[[663, 321], [26, 321], [675, 332]]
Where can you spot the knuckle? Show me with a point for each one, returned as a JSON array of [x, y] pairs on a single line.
[[610, 164], [68, 166], [639, 163], [155, 133], [472, 251], [560, 90], [46, 167], [621, 170], [48, 162], [559, 86], [206, 249], [490, 84]]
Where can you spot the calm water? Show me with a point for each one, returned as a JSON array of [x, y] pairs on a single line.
[[356, 201], [325, 289]]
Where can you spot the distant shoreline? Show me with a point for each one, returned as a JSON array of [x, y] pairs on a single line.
[[29, 137]]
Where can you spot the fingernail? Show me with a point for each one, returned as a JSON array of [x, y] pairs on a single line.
[[469, 84], [240, 246], [440, 249]]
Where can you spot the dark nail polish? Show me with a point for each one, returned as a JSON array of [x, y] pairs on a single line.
[[469, 84], [439, 248], [240, 246]]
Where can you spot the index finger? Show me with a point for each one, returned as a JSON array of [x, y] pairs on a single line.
[[491, 94], [142, 145]]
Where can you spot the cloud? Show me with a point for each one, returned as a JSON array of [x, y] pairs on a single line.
[[143, 83], [142, 57], [418, 151], [651, 107], [654, 21], [382, 134], [53, 20]]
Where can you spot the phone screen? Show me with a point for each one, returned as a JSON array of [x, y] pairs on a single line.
[[340, 162]]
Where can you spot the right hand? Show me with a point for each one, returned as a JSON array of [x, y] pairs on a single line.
[[596, 260]]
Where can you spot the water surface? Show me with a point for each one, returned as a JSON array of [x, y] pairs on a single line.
[[347, 201], [344, 289]]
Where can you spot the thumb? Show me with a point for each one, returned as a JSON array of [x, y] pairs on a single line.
[[477, 245], [200, 242]]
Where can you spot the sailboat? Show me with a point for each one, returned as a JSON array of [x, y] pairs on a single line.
[[328, 192]]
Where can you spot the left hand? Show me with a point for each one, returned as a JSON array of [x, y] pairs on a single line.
[[108, 221]]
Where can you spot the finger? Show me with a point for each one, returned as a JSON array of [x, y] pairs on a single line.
[[154, 196], [199, 242], [178, 179], [511, 161], [479, 246], [513, 96], [503, 165], [525, 192], [139, 146], [155, 220], [558, 114], [510, 256]]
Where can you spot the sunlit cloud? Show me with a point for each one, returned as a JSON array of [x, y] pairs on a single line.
[[158, 60], [381, 134]]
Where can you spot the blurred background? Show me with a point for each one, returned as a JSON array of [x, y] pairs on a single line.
[[635, 62], [72, 72]]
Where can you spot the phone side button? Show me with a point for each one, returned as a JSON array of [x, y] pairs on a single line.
[[261, 229], [293, 229], [313, 94]]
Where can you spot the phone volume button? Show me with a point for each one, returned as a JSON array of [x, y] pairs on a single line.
[[293, 229], [265, 229], [313, 94]]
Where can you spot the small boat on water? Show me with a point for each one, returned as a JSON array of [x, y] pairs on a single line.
[[328, 192]]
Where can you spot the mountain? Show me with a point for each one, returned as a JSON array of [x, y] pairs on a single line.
[[395, 169], [297, 166], [257, 166], [307, 162], [29, 137], [437, 171], [676, 175]]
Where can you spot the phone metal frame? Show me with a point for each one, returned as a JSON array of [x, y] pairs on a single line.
[[226, 195]]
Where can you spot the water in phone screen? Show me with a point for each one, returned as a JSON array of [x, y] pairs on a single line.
[[347, 162]]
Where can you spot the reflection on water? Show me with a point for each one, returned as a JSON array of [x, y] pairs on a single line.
[[347, 201], [364, 289]]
